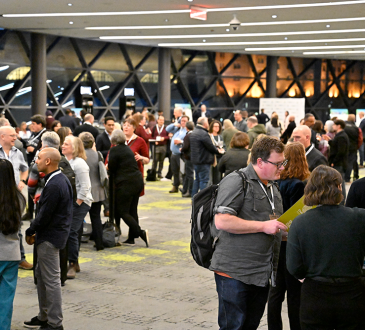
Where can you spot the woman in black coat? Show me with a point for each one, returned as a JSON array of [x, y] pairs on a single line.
[[126, 184], [236, 157]]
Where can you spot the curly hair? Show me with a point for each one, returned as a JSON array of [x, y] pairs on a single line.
[[297, 166], [323, 187]]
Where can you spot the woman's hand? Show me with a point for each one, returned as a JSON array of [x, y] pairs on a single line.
[[138, 157]]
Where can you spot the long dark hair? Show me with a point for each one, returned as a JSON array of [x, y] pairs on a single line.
[[12, 202]]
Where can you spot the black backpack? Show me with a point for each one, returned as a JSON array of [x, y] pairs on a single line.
[[202, 215]]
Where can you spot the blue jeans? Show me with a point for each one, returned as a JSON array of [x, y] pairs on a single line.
[[241, 306], [8, 281], [201, 177], [79, 214]]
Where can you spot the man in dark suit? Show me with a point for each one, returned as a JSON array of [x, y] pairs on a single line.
[[339, 151], [87, 126], [203, 112], [289, 130], [103, 139], [314, 157], [68, 120], [309, 120]]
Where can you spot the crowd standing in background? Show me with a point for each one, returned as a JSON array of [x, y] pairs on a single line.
[[67, 153]]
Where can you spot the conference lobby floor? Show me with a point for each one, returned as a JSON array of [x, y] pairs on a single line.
[[140, 288]]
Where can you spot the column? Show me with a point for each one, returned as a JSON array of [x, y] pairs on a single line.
[[271, 76], [38, 73], [164, 85]]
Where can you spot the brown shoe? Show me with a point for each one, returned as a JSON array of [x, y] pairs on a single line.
[[71, 273], [77, 267], [25, 265], [174, 190]]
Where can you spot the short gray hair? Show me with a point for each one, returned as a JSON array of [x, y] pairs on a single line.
[[4, 122], [51, 140], [118, 137], [87, 139]]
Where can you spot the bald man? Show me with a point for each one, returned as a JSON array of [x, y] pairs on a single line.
[[51, 228], [303, 134], [87, 126]]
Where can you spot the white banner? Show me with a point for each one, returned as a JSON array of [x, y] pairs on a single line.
[[295, 107]]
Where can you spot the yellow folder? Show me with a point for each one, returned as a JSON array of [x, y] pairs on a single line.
[[297, 209]]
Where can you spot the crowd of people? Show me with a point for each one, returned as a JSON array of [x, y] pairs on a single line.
[[254, 261]]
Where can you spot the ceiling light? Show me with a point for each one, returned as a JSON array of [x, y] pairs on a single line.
[[199, 36], [252, 49], [104, 87], [336, 52], [70, 22], [67, 104], [227, 30], [190, 0], [264, 42], [5, 67], [274, 16], [182, 11], [6, 87], [327, 26], [180, 26], [70, 4], [204, 40], [286, 38]]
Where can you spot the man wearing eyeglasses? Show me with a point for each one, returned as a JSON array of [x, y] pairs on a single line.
[[249, 235]]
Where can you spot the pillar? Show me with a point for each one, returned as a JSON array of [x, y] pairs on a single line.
[[38, 73], [271, 76], [164, 85]]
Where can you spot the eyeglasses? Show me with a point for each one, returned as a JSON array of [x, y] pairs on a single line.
[[278, 165]]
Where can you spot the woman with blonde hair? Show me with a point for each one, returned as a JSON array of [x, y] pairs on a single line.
[[229, 131], [291, 186], [73, 150]]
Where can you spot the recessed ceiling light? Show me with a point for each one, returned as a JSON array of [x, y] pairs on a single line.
[[204, 40], [181, 11], [274, 16], [190, 0], [286, 38], [70, 4], [70, 22], [327, 26], [227, 30], [166, 20]]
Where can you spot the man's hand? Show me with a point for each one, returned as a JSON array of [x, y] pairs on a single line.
[[326, 137], [21, 185], [79, 201], [30, 149], [177, 141], [272, 227], [177, 125], [30, 239]]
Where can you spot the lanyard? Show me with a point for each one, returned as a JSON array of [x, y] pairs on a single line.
[[272, 196], [127, 143], [309, 150], [159, 131], [36, 136], [54, 174]]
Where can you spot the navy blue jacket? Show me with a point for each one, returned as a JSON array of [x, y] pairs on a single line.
[[201, 147], [291, 191], [53, 221]]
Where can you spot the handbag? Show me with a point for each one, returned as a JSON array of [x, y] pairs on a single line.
[[104, 180], [109, 234]]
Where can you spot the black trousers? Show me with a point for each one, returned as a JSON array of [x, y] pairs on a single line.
[[327, 306], [188, 177], [285, 282], [126, 204], [96, 224], [175, 167]]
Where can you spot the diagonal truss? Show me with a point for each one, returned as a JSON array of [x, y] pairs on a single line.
[[107, 105]]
